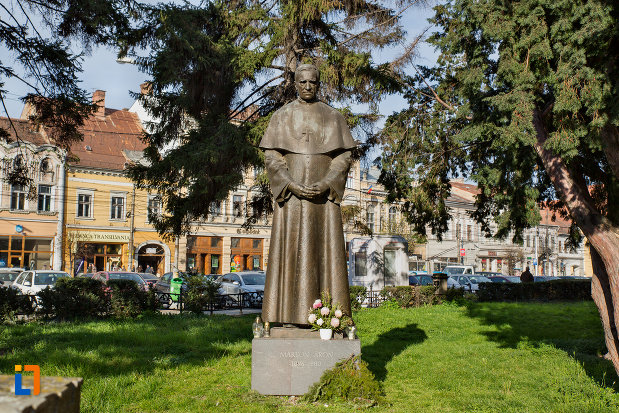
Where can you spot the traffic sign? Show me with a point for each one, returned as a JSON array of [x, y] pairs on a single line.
[[462, 252]]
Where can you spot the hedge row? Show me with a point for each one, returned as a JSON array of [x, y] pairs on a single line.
[[80, 298], [542, 291]]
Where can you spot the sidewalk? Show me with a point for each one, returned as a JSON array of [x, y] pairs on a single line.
[[235, 312]]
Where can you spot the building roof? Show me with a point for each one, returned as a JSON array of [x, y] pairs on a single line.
[[108, 139], [26, 131]]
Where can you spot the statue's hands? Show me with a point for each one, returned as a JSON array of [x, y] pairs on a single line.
[[318, 189], [296, 189]]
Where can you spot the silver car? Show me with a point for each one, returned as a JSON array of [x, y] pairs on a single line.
[[471, 282], [243, 282]]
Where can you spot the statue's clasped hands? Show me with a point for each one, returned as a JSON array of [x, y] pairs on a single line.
[[308, 191]]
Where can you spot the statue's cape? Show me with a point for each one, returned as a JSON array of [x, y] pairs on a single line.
[[307, 128]]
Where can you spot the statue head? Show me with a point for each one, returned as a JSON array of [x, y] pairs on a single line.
[[307, 81]]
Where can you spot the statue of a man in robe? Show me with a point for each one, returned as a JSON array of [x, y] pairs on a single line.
[[307, 155]]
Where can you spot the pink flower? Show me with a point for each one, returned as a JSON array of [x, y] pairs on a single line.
[[320, 321], [311, 318], [317, 304], [335, 322], [325, 311], [338, 313]]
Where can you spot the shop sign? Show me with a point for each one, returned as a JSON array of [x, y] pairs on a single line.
[[101, 236], [151, 250], [492, 253]]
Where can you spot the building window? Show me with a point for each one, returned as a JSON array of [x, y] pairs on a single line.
[[360, 264], [458, 231], [350, 180], [392, 212], [528, 240], [118, 207], [215, 208], [154, 206], [84, 205], [18, 198], [469, 233], [235, 242], [45, 198], [370, 217], [237, 205]]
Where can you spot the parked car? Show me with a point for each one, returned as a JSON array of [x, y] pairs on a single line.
[[513, 278], [419, 278], [459, 269], [31, 282], [499, 279], [489, 274], [243, 282], [8, 275], [471, 282], [105, 276], [149, 279]]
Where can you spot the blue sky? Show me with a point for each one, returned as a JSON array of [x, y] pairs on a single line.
[[101, 71]]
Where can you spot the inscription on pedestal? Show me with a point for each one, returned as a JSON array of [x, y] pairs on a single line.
[[290, 366]]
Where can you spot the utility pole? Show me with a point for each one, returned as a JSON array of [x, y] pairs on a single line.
[[131, 248]]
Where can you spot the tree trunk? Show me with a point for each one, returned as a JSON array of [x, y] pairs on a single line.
[[600, 232]]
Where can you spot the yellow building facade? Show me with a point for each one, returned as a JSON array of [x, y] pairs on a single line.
[[106, 224]]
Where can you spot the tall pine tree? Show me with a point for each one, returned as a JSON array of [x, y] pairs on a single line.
[[525, 102], [220, 69]]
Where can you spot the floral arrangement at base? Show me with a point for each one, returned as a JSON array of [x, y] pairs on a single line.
[[326, 314]]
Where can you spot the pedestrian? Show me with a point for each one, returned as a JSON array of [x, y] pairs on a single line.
[[140, 268], [526, 276]]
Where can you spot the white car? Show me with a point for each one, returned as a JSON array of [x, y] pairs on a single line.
[[31, 282], [8, 275]]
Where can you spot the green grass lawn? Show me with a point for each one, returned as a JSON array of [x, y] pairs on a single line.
[[485, 357]]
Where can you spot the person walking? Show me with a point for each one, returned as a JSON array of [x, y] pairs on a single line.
[[526, 276]]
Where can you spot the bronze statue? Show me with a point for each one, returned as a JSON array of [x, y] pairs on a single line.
[[307, 155]]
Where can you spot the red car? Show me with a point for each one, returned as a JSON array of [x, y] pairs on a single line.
[[149, 278], [105, 276]]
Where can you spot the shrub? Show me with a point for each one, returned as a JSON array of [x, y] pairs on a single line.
[[13, 303], [358, 294], [349, 380], [126, 298], [73, 297], [403, 295], [453, 294], [410, 296], [200, 292], [542, 291]]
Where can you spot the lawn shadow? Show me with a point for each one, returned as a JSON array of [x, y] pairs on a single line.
[[388, 345], [114, 348], [566, 326]]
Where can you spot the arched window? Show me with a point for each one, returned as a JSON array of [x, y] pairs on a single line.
[[392, 214], [46, 165], [370, 217]]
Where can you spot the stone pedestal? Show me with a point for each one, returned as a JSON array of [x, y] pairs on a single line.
[[58, 395], [289, 366]]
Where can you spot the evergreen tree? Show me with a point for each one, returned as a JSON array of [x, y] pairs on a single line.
[[524, 101], [220, 69], [37, 34]]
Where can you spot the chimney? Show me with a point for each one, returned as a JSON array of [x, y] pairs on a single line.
[[98, 98], [146, 88]]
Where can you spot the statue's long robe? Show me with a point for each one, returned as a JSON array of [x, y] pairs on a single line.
[[306, 143]]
